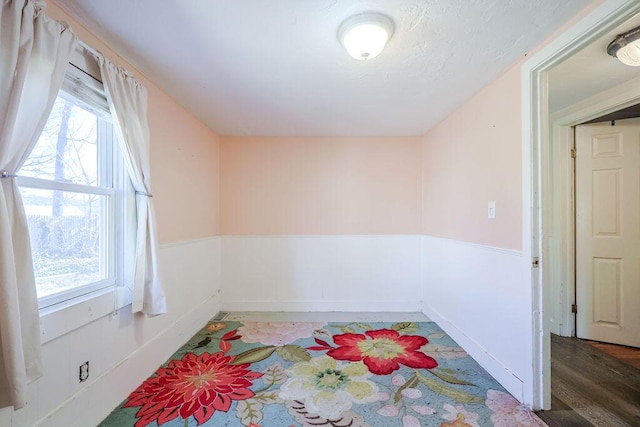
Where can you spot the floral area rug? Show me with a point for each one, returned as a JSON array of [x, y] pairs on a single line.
[[317, 374]]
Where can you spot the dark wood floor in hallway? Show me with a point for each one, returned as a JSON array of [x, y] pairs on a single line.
[[629, 355], [590, 387]]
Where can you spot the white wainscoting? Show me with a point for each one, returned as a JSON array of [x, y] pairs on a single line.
[[322, 273], [123, 349], [479, 295]]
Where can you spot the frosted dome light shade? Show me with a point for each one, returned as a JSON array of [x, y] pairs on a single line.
[[626, 47], [364, 36], [630, 54]]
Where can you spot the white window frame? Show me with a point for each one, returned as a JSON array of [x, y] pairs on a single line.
[[67, 310], [109, 218]]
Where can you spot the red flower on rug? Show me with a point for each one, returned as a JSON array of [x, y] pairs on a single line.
[[195, 385], [383, 351]]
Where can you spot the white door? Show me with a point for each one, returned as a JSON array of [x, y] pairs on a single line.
[[608, 232]]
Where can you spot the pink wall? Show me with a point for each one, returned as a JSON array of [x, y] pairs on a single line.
[[475, 155], [472, 157], [184, 156], [281, 186], [185, 161]]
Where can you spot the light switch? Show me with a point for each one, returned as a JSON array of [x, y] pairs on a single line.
[[491, 210]]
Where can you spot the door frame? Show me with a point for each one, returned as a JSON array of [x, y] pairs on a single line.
[[537, 179], [561, 239]]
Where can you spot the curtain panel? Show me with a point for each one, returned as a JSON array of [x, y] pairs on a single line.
[[34, 51], [128, 103]]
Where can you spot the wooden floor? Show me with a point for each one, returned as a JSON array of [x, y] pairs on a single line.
[[630, 355], [590, 387]]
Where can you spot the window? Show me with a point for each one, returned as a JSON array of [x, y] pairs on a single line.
[[77, 196]]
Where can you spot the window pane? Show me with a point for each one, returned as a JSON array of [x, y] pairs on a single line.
[[67, 148], [66, 243]]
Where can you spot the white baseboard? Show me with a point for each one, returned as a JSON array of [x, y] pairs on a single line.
[[501, 373], [325, 306]]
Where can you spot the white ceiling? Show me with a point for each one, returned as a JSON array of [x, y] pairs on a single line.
[[257, 67], [590, 71]]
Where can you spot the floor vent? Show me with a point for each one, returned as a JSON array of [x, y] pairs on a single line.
[[220, 316]]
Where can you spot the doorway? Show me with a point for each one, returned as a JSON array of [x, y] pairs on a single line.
[[607, 231], [545, 222], [589, 384]]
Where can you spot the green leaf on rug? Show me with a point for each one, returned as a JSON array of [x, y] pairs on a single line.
[[267, 397], [254, 355], [203, 343], [405, 327], [438, 387], [364, 326], [436, 336], [294, 353], [274, 374], [438, 351], [346, 329], [448, 370], [249, 411], [449, 378], [411, 383]]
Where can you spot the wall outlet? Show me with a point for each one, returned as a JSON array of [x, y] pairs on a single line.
[[84, 371]]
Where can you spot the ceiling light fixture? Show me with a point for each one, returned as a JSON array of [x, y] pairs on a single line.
[[366, 34], [626, 47]]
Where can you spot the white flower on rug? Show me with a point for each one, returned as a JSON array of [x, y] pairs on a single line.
[[508, 412], [328, 387], [410, 421], [389, 411], [277, 333], [459, 416], [423, 409]]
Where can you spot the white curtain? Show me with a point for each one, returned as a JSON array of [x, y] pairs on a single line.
[[34, 53], [128, 103]]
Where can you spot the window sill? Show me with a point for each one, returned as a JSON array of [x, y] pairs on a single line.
[[62, 318]]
